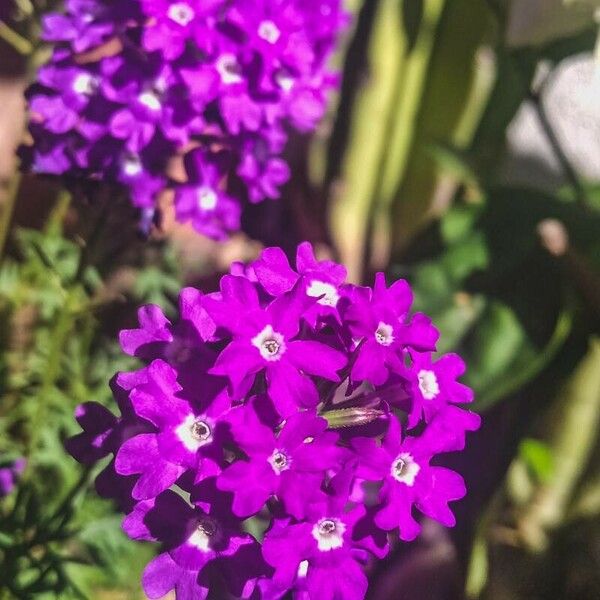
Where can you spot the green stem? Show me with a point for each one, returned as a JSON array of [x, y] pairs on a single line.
[[26, 7], [58, 339], [59, 211], [384, 164], [18, 42], [597, 44], [90, 245], [405, 109], [75, 490], [8, 209], [352, 195], [587, 504], [478, 566], [498, 10]]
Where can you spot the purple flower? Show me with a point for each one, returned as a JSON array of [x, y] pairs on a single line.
[[57, 115], [265, 340], [261, 169], [320, 548], [158, 338], [320, 279], [94, 443], [290, 465], [202, 200], [380, 327], [188, 434], [103, 434], [446, 432], [202, 541], [88, 23], [10, 473], [408, 480], [158, 80], [432, 385], [173, 24], [270, 401], [274, 30]]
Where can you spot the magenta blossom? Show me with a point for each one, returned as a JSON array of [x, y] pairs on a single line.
[[10, 473], [320, 279], [408, 480], [273, 406], [203, 543], [163, 79], [290, 465], [380, 325], [326, 543], [266, 340], [433, 384]]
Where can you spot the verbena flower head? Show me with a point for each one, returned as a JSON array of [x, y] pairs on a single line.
[[134, 85], [308, 407]]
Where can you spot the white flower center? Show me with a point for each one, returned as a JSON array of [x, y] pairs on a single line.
[[269, 32], [303, 568], [329, 534], [328, 292], [132, 165], [206, 530], [150, 100], [279, 461], [384, 334], [84, 84], [181, 13], [405, 469], [284, 80], [207, 198], [270, 344], [228, 69], [194, 433], [428, 384]]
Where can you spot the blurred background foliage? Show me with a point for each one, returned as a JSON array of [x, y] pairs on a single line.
[[463, 153]]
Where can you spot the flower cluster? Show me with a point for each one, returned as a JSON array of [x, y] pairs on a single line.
[[10, 473], [133, 86], [288, 402]]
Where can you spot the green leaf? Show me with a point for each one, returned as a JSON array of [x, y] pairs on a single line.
[[466, 257], [456, 320], [537, 455], [498, 339], [432, 287], [478, 568], [446, 89], [454, 162], [527, 361], [121, 559], [458, 222]]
